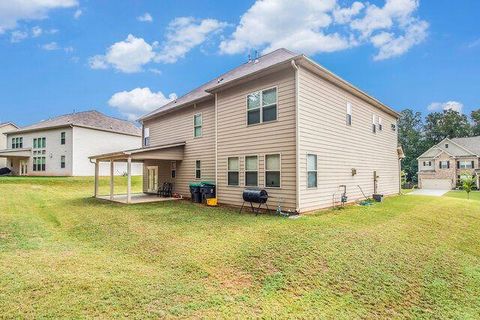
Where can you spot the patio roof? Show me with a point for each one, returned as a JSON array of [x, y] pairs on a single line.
[[173, 151], [12, 153]]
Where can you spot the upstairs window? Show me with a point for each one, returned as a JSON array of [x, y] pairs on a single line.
[[374, 125], [272, 171], [146, 137], [446, 145], [197, 125], [444, 164], [262, 106], [198, 169], [39, 143], [62, 138], [380, 125], [17, 143], [233, 171], [349, 114], [251, 171], [311, 170]]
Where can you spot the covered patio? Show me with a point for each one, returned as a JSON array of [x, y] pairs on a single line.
[[169, 152], [18, 158]]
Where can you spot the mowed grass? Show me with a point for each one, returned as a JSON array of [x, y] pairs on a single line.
[[66, 255]]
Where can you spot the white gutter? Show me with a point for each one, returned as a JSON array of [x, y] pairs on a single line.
[[297, 139]]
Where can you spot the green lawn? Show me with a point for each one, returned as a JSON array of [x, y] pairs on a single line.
[[64, 254]]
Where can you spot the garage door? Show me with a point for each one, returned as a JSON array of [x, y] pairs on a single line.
[[437, 184]]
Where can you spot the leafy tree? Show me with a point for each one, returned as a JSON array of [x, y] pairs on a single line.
[[468, 183], [446, 124], [475, 115], [410, 138]]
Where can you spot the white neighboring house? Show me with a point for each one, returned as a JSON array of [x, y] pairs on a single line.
[[5, 127], [60, 146]]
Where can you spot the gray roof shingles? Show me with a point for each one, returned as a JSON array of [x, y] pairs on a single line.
[[262, 62], [89, 119], [471, 143]]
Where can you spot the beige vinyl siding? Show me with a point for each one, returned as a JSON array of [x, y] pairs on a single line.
[[236, 139], [339, 147], [177, 126]]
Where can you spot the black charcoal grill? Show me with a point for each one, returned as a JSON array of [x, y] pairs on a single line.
[[257, 196]]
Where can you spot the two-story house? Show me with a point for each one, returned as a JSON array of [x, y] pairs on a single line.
[[280, 122], [443, 165], [5, 127], [60, 146]]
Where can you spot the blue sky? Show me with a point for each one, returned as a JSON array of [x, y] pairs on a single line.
[[124, 58]]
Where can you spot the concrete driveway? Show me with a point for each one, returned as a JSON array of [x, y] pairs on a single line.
[[428, 192]]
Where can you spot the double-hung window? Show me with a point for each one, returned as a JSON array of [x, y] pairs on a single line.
[[349, 114], [465, 164], [311, 170], [380, 125], [39, 163], [146, 137], [251, 171], [272, 170], [198, 169], [262, 106], [197, 125], [444, 164], [233, 171], [374, 124], [62, 138], [17, 143], [62, 162]]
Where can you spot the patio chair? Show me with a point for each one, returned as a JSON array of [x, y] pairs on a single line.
[[166, 190]]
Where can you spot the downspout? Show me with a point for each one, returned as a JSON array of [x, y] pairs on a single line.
[[216, 142], [297, 138]]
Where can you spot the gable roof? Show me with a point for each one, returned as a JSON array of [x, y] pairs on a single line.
[[471, 143], [3, 124], [277, 58], [465, 147], [87, 119]]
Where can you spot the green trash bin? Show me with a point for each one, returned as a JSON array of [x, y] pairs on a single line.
[[195, 194]]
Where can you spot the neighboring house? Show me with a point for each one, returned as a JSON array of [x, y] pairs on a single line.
[[60, 146], [280, 122], [443, 165], [5, 127]]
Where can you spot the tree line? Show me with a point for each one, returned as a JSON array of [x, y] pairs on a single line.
[[416, 134]]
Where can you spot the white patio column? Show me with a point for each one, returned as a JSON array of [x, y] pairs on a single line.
[[129, 179], [112, 164], [96, 178]]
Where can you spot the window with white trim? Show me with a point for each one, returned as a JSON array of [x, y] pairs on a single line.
[[311, 170], [380, 125], [233, 171], [39, 163], [374, 124], [251, 171], [349, 114], [272, 170], [465, 164], [17, 143], [198, 169], [444, 164], [62, 138], [197, 125], [262, 106], [62, 162], [146, 137]]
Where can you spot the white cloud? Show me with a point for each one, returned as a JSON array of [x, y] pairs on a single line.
[[155, 71], [51, 46], [18, 36], [127, 56], [77, 13], [138, 101], [69, 49], [345, 15], [146, 17], [36, 31], [449, 105], [184, 34], [13, 11], [311, 26]]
